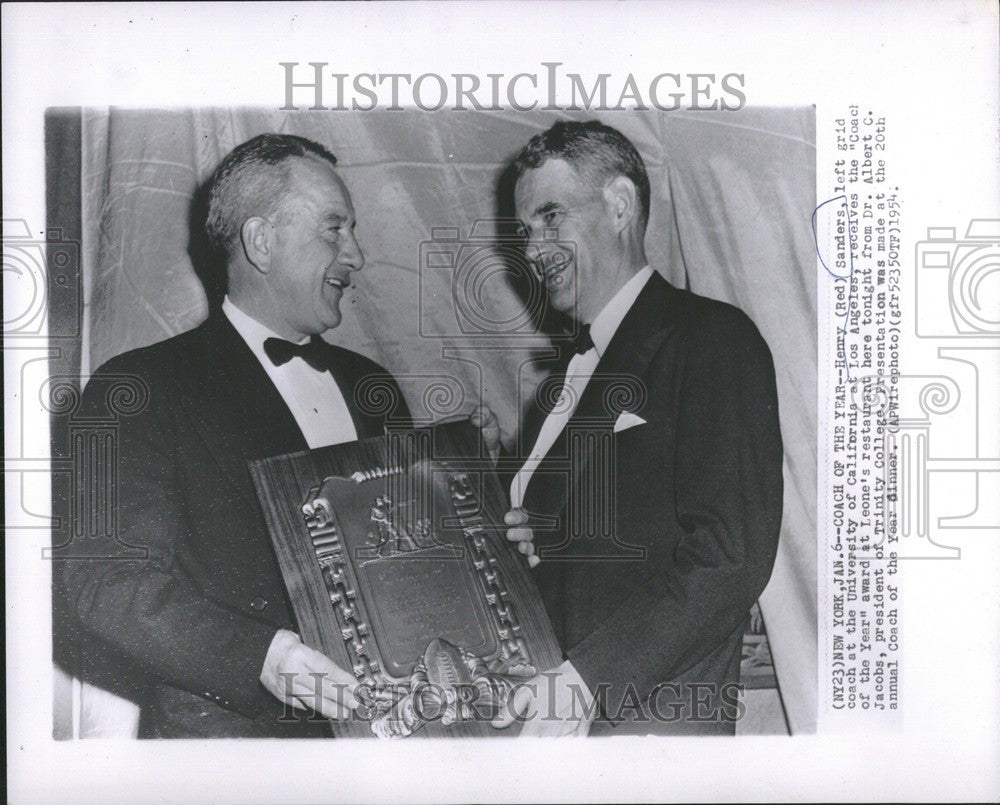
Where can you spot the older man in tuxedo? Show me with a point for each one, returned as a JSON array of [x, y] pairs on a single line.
[[649, 497], [205, 614]]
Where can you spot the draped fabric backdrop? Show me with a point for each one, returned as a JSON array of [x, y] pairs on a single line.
[[730, 219]]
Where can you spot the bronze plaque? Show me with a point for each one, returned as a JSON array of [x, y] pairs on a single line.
[[394, 555]]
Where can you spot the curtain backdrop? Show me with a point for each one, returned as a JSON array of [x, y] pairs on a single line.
[[732, 196]]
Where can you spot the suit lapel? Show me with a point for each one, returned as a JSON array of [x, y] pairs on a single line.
[[617, 385], [545, 394], [234, 406]]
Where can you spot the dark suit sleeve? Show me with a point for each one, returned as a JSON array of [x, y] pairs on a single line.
[[728, 498], [149, 607]]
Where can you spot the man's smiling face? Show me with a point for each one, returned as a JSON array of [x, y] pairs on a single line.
[[571, 240], [314, 249]]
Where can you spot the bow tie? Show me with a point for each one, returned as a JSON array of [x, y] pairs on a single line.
[[582, 342], [312, 352]]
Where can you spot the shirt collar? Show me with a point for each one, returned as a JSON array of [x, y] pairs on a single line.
[[605, 324], [252, 331]]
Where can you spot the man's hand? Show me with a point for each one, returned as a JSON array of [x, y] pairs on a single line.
[[554, 704], [521, 534], [306, 679], [484, 419]]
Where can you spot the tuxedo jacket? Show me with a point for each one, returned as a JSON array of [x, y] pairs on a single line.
[[198, 609], [658, 509]]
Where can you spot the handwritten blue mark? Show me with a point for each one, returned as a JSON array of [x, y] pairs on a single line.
[[849, 276]]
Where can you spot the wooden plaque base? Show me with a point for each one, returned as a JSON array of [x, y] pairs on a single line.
[[394, 555]]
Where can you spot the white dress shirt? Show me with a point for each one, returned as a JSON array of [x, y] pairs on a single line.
[[578, 374], [313, 397]]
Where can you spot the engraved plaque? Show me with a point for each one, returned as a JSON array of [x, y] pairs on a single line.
[[394, 556], [413, 600]]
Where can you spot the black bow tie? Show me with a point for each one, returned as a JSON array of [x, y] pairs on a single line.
[[312, 352], [582, 342]]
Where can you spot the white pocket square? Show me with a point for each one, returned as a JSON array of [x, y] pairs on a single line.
[[627, 420]]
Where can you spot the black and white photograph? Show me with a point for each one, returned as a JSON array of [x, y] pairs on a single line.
[[441, 265]]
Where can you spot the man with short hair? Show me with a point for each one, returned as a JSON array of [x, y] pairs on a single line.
[[206, 614], [649, 499]]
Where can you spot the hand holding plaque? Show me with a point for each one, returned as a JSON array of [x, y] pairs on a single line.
[[554, 704], [394, 555], [303, 678]]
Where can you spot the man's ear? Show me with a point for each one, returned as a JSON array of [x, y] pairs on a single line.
[[622, 200], [256, 238]]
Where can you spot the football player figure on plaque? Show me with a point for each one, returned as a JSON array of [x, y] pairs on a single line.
[[394, 556]]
